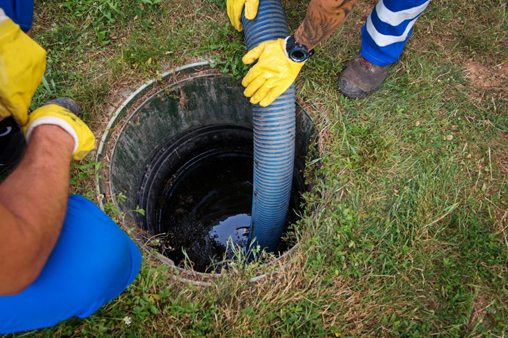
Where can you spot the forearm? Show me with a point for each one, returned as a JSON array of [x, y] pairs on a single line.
[[322, 19], [33, 202]]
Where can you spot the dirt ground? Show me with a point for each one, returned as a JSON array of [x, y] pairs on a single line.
[[484, 77]]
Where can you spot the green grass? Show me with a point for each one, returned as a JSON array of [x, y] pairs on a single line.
[[405, 231]]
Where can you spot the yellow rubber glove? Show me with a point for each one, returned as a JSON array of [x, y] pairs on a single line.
[[235, 8], [22, 65], [84, 140], [272, 75]]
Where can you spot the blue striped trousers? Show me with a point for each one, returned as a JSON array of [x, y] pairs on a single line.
[[387, 29]]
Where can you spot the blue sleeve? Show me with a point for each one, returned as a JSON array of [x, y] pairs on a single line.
[[20, 11]]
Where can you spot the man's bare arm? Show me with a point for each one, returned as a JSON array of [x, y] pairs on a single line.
[[322, 19], [33, 201]]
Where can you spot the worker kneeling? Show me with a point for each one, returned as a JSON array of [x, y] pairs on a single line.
[[60, 255]]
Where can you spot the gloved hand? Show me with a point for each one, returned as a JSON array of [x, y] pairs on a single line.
[[272, 75], [235, 8], [53, 114], [22, 65]]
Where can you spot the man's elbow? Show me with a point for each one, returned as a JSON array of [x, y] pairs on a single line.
[[24, 251], [14, 281], [12, 290]]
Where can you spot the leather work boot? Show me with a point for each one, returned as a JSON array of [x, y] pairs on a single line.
[[361, 78]]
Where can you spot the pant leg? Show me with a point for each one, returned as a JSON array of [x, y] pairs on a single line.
[[19, 11], [92, 263], [387, 29]]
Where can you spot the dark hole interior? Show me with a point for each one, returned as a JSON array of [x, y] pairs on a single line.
[[197, 192]]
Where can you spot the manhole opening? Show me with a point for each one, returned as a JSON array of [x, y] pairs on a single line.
[[199, 188], [176, 128]]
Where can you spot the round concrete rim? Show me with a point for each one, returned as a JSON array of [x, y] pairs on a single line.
[[193, 277], [121, 111]]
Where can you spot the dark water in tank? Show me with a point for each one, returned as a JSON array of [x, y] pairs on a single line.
[[207, 207], [205, 211]]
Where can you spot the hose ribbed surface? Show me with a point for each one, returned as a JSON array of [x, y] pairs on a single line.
[[274, 139]]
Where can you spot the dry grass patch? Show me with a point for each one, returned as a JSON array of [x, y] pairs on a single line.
[[485, 77]]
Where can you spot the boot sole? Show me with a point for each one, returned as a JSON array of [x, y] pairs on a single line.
[[353, 92]]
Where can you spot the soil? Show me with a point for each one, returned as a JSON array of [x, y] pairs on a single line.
[[486, 77]]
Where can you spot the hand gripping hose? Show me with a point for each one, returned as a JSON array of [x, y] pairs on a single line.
[[274, 139]]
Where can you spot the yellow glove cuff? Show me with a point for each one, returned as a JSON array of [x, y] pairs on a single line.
[[84, 140]]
